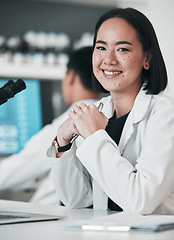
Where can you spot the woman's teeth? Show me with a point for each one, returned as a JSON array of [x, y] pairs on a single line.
[[112, 73]]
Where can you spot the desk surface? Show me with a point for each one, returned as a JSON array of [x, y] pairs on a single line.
[[55, 230]]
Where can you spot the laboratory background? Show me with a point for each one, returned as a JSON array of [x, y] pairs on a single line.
[[36, 39]]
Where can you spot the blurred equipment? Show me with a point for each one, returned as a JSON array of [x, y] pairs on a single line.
[[20, 118], [10, 89]]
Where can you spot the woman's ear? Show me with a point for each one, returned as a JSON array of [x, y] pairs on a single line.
[[147, 61]]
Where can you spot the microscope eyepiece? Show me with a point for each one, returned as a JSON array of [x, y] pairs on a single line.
[[10, 89]]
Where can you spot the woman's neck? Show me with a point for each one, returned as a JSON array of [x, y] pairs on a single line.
[[123, 103]]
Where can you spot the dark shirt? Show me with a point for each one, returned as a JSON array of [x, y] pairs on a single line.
[[114, 129]]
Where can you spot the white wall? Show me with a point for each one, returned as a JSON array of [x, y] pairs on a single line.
[[161, 15]]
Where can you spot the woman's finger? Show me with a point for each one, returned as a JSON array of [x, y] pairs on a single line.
[[76, 109], [83, 106]]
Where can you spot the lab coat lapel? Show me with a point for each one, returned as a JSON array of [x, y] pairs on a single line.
[[136, 115]]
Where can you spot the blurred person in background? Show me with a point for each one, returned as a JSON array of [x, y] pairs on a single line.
[[22, 170]]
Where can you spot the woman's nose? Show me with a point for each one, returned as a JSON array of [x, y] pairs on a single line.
[[110, 58]]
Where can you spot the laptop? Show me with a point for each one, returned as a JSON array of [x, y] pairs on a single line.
[[8, 217]]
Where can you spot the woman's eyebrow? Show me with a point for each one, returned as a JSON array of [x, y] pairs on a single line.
[[117, 43], [123, 42], [102, 42]]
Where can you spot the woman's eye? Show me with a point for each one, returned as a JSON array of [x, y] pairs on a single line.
[[123, 50], [100, 48]]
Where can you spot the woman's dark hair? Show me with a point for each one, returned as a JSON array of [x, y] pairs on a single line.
[[155, 78]]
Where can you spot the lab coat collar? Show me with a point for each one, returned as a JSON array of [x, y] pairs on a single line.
[[136, 115], [141, 105], [138, 111]]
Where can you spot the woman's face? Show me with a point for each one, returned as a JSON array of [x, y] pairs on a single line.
[[118, 57]]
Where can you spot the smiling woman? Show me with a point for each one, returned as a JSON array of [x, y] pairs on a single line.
[[125, 156]]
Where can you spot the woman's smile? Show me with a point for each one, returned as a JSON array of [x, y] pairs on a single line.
[[111, 73]]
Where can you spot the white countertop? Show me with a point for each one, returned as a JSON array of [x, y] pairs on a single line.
[[58, 230]]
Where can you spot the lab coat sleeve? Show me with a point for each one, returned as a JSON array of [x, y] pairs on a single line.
[[143, 187], [71, 180], [20, 170]]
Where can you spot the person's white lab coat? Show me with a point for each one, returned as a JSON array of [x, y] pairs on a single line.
[[138, 174], [20, 170]]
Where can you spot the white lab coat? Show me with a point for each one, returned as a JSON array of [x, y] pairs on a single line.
[[138, 174], [20, 170]]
